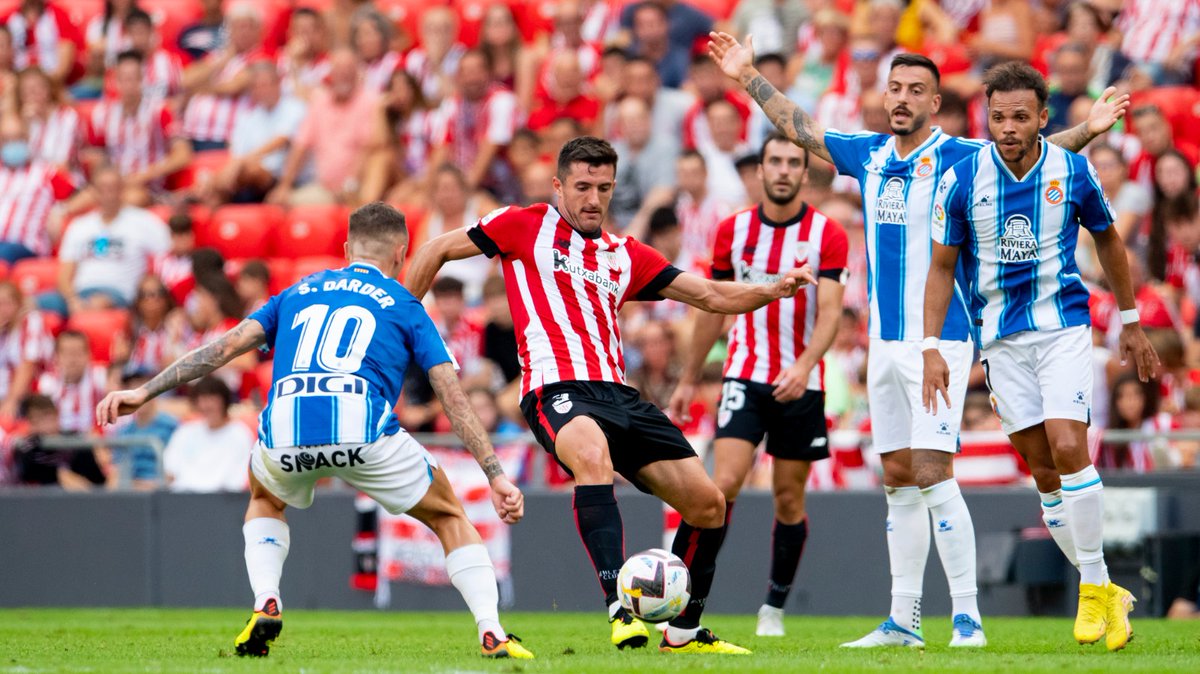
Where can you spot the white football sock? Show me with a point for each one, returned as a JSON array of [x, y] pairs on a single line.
[[954, 534], [1083, 496], [1054, 515], [908, 548], [681, 635], [267, 542], [471, 572]]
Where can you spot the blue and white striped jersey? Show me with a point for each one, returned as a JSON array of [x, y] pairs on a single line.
[[343, 339], [1017, 238], [897, 199]]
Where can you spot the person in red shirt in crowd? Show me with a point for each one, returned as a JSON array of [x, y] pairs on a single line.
[[435, 62], [155, 334], [500, 39], [711, 86], [838, 108], [218, 84], [26, 346], [1134, 405], [565, 96], [1160, 36], [135, 133], [461, 332], [54, 127], [213, 309], [175, 267], [566, 35], [401, 147], [475, 124], [75, 383], [31, 196], [371, 39], [163, 68], [304, 61], [1174, 199], [1157, 137], [699, 212], [44, 36]]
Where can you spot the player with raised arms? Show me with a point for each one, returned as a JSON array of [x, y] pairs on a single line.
[[567, 279], [343, 339], [774, 383], [897, 174], [1012, 213]]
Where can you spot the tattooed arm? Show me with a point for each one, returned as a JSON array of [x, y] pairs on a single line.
[[506, 498], [737, 61], [197, 363], [1104, 114]]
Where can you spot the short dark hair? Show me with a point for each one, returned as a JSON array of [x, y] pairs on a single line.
[[1016, 76], [1147, 110], [181, 223], [447, 285], [610, 50], [212, 386], [770, 57], [748, 160], [694, 154], [207, 260], [305, 11], [662, 220], [918, 61], [952, 104], [377, 220], [37, 403], [256, 269], [131, 55], [66, 335], [776, 137], [136, 16], [525, 133], [590, 150]]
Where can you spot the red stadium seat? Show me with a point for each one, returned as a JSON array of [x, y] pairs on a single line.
[[3, 270], [201, 168], [83, 11], [35, 275], [283, 274], [84, 109], [102, 328], [171, 17], [312, 230], [311, 265], [241, 230]]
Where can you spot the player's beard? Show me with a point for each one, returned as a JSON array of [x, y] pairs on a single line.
[[917, 122], [1023, 151], [780, 200]]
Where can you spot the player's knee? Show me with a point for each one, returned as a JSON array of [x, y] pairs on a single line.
[[1045, 477], [706, 510], [591, 464], [729, 483], [898, 472], [789, 505], [930, 470]]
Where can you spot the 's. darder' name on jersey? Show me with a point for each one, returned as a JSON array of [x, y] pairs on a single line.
[[354, 286]]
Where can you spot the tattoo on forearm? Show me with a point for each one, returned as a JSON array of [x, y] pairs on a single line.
[[205, 359], [491, 467], [463, 419], [788, 117], [1073, 139]]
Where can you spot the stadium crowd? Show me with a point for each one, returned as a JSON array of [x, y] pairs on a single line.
[[166, 165]]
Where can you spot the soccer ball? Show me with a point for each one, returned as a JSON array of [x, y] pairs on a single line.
[[654, 585]]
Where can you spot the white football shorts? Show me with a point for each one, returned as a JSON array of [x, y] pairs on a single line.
[[895, 374], [1039, 375], [395, 470]]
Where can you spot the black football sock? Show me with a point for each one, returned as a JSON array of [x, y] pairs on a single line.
[[698, 549], [787, 545], [600, 529]]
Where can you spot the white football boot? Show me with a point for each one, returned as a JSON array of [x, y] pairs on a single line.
[[889, 635]]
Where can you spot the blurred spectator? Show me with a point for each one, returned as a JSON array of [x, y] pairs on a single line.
[[883, 25], [537, 183], [75, 383], [104, 38], [461, 333], [73, 470], [213, 309], [840, 106], [815, 59], [454, 205], [218, 84], [44, 36], [773, 23], [1157, 138], [304, 61], [1069, 76], [209, 454], [8, 69], [253, 286], [475, 124], [699, 211], [668, 107], [163, 68], [1160, 36], [664, 31], [338, 16], [952, 116], [401, 144], [483, 401], [371, 36], [175, 266], [1131, 203], [26, 345], [1134, 406], [106, 252], [30, 194], [259, 143], [523, 153], [658, 368], [54, 128], [721, 154], [336, 135], [500, 41], [137, 134], [747, 173], [139, 463], [565, 96], [1006, 32], [646, 171], [156, 337], [774, 70], [1088, 28], [207, 35], [552, 138], [711, 86], [567, 37], [1174, 198], [499, 340], [435, 62], [1174, 376]]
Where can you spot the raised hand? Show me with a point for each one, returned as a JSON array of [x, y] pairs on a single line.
[[734, 58], [1106, 111]]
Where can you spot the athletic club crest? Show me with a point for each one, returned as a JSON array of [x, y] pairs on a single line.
[[1054, 193], [562, 403]]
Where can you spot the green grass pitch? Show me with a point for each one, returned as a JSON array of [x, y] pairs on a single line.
[[184, 640]]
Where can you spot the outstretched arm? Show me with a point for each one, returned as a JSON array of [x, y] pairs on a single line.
[[1106, 111], [506, 498], [737, 61], [430, 257], [726, 297], [248, 334]]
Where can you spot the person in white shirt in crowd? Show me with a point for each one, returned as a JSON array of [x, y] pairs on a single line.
[[722, 153], [645, 176], [106, 252], [209, 454], [699, 211], [260, 141]]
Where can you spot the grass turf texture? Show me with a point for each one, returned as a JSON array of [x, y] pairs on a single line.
[[186, 640]]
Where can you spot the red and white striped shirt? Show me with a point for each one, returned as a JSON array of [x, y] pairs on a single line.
[[76, 401], [696, 133], [27, 194], [37, 45], [163, 77], [429, 75], [698, 228], [378, 73], [752, 249], [466, 125], [56, 139], [1152, 28], [152, 349], [565, 290], [132, 141], [28, 340], [211, 117]]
